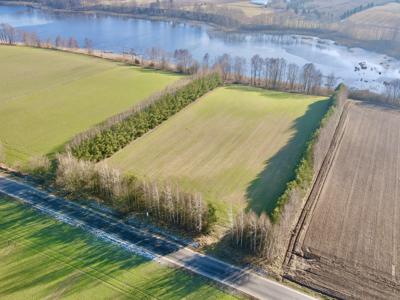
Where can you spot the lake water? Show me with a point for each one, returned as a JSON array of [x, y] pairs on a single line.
[[119, 34]]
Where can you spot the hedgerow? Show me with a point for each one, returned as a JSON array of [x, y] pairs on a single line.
[[105, 140], [305, 170]]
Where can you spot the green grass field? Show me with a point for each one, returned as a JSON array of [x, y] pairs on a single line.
[[238, 146], [44, 259], [48, 96]]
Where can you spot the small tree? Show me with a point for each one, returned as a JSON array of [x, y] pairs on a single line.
[[331, 81], [88, 45], [73, 43]]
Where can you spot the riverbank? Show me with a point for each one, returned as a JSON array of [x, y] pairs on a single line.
[[219, 24]]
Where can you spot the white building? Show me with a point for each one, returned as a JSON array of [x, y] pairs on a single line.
[[260, 2]]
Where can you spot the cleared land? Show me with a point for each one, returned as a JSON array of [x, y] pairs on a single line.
[[336, 8], [354, 231], [238, 146], [43, 259], [48, 96], [377, 23]]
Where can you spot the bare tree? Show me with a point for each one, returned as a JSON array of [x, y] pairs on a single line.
[[59, 42], [331, 81], [73, 43], [311, 78], [292, 76], [30, 39], [88, 45], [205, 65], [8, 34], [224, 64], [256, 69], [275, 69], [239, 68], [183, 60], [392, 90]]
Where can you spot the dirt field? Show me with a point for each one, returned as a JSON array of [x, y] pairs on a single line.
[[380, 22], [352, 242]]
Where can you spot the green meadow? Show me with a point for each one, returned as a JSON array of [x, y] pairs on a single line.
[[48, 96], [41, 258], [238, 146]]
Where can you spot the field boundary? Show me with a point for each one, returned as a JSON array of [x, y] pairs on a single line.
[[242, 281], [115, 133], [315, 190], [335, 276]]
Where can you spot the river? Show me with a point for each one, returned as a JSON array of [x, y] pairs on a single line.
[[357, 67]]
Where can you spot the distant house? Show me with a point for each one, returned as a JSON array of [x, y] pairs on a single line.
[[260, 2]]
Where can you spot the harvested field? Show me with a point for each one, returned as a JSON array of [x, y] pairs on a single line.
[[377, 23], [238, 146], [47, 97], [351, 246], [41, 258]]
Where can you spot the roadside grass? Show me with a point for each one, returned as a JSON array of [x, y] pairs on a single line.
[[41, 258], [49, 96], [238, 146]]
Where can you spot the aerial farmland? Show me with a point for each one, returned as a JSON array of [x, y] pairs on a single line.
[[215, 149], [239, 146], [357, 211], [42, 91]]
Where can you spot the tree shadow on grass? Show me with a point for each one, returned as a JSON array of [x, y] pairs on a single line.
[[265, 190], [56, 260]]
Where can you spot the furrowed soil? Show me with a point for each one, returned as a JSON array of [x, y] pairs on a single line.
[[351, 246]]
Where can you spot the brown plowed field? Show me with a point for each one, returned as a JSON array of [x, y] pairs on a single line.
[[351, 247]]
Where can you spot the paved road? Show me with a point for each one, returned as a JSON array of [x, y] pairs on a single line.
[[148, 244]]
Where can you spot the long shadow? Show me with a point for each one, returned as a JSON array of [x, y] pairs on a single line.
[[264, 191], [67, 250]]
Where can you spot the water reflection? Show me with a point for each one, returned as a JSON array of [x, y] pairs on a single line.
[[117, 34]]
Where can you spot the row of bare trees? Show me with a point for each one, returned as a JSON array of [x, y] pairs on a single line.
[[163, 202], [273, 73], [277, 73]]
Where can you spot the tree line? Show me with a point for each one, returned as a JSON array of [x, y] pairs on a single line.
[[117, 132], [271, 73], [164, 203], [268, 236], [355, 10]]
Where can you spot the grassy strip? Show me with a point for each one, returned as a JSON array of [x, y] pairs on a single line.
[[135, 123], [305, 170]]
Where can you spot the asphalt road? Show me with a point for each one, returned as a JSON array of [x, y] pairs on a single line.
[[147, 244]]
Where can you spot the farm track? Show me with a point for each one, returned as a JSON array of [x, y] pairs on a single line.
[[149, 245], [346, 242]]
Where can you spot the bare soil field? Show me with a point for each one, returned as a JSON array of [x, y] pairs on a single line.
[[337, 7], [350, 245], [376, 23]]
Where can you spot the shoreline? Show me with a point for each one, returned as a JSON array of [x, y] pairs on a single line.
[[337, 37]]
